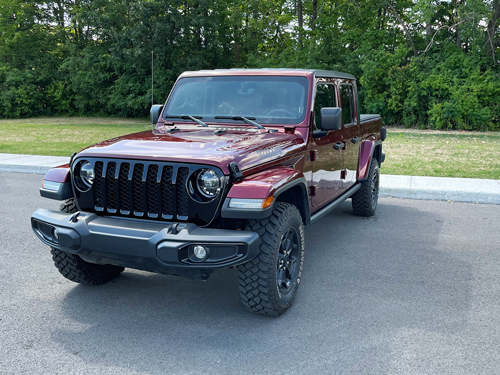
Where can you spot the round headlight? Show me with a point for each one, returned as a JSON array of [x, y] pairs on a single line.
[[209, 183], [87, 174]]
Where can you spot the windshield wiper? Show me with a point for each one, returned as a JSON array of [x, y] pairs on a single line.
[[194, 118], [248, 120]]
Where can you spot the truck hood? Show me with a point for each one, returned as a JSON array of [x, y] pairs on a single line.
[[247, 147]]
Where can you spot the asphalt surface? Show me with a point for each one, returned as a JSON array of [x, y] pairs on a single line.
[[413, 290]]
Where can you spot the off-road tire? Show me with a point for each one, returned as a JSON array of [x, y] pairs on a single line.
[[74, 268], [258, 279], [365, 200]]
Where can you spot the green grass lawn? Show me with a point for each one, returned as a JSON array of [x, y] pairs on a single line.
[[442, 153], [61, 136], [408, 151]]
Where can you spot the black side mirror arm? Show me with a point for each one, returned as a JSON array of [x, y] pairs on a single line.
[[319, 133]]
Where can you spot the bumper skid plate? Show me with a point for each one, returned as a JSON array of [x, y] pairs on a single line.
[[141, 244]]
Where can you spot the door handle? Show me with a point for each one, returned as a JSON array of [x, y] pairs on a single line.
[[355, 139], [338, 145]]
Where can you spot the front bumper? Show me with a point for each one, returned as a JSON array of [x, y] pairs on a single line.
[[145, 245]]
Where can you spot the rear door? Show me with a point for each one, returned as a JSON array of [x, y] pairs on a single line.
[[350, 133], [327, 165]]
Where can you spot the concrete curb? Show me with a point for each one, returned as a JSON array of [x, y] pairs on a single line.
[[408, 187], [30, 163], [24, 168], [441, 188]]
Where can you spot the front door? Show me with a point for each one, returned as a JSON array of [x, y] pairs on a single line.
[[327, 164], [351, 135]]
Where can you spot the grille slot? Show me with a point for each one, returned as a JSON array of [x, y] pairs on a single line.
[[167, 193], [137, 190], [99, 187], [124, 190], [182, 197], [152, 189], [111, 184]]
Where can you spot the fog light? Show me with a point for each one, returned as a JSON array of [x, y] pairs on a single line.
[[55, 234], [200, 252]]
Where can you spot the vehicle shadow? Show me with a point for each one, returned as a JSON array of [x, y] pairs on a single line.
[[367, 282]]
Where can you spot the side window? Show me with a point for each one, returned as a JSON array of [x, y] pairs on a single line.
[[325, 97], [346, 95]]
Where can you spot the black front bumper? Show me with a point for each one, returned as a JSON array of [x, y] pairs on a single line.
[[142, 244]]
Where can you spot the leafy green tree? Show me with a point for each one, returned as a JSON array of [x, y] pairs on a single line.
[[425, 63]]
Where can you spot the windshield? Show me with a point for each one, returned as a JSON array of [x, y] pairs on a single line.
[[267, 99]]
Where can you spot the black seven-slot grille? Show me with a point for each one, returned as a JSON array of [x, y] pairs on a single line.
[[148, 190]]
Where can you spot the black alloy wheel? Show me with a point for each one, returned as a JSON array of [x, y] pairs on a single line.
[[287, 260]]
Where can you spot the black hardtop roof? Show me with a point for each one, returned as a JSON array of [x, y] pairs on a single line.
[[317, 72], [332, 74]]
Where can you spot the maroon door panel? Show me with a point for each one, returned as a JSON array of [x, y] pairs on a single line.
[[328, 164], [327, 169]]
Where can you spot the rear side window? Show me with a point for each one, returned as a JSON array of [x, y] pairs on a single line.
[[325, 97], [347, 97]]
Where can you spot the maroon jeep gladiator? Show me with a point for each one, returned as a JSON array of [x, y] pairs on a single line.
[[238, 163]]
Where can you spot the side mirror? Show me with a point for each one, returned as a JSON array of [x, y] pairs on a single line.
[[155, 113], [331, 118]]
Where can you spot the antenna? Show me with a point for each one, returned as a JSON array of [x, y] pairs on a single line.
[[152, 75]]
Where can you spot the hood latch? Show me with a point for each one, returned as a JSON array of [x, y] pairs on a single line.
[[235, 171]]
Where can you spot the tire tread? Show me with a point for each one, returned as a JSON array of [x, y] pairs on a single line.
[[74, 268], [257, 290], [362, 199]]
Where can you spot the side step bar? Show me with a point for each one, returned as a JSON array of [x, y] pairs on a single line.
[[337, 202]]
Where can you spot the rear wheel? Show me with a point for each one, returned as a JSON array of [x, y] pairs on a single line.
[[365, 200], [269, 283], [74, 268]]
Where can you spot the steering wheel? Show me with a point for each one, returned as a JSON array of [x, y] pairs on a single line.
[[280, 110]]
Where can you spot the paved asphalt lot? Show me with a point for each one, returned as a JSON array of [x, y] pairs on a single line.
[[412, 290]]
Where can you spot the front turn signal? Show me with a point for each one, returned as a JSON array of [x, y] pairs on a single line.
[[246, 203], [267, 202]]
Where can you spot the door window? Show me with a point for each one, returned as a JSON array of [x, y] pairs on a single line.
[[347, 97], [325, 97]]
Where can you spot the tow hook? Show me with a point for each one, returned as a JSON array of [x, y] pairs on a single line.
[[173, 229], [74, 217], [176, 228]]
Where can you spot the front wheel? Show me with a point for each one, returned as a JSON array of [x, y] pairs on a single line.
[[74, 268], [269, 283]]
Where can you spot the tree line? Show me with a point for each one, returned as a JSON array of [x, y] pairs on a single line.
[[419, 63]]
